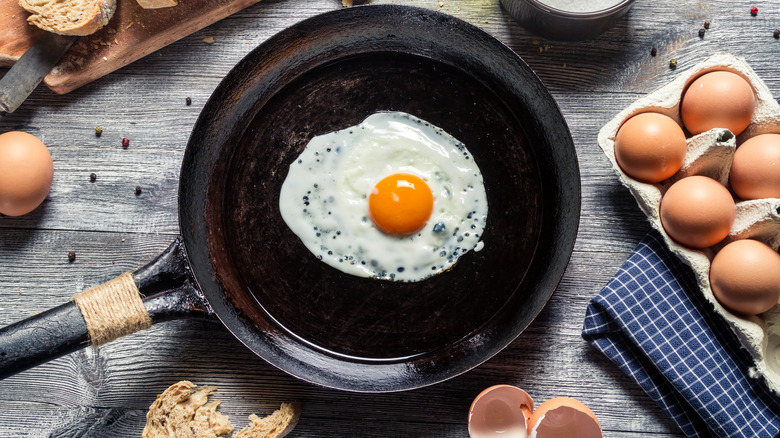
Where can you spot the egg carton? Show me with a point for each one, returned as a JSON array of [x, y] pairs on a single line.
[[709, 154]]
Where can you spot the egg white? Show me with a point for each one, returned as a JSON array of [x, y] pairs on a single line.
[[324, 199]]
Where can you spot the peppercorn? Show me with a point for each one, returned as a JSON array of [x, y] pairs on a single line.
[[706, 24], [188, 101], [673, 63], [71, 256], [653, 51], [137, 190], [776, 33], [754, 11], [701, 32], [98, 131], [125, 142], [92, 177]]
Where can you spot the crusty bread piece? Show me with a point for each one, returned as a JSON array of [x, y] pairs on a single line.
[[157, 4], [276, 425], [182, 411], [69, 17]]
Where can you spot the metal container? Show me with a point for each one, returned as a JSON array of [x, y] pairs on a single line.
[[562, 25]]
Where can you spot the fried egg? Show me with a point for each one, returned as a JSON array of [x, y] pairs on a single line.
[[392, 198]]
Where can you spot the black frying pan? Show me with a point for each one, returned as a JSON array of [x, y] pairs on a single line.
[[238, 260]]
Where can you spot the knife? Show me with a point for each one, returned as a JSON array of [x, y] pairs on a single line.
[[30, 70]]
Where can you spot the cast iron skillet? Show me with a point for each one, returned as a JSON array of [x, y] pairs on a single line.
[[237, 259]]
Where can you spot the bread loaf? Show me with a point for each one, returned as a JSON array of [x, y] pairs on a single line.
[[69, 17]]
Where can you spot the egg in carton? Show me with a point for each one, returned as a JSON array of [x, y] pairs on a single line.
[[710, 154]]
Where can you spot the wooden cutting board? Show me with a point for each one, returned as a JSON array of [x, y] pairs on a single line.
[[131, 34]]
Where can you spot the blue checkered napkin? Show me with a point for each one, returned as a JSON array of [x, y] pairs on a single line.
[[652, 321]]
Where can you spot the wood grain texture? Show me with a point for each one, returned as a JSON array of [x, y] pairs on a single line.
[[105, 392]]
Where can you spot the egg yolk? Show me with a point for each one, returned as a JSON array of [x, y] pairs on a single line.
[[400, 204]]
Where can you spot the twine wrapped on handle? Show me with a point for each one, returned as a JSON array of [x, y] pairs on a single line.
[[113, 309]]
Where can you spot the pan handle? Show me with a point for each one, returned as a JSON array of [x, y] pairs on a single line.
[[160, 291]]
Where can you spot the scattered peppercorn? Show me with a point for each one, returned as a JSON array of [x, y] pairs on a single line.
[[706, 24], [92, 177], [776, 33], [673, 63], [188, 101], [653, 51], [125, 142], [98, 131], [71, 256], [701, 32], [137, 190], [754, 11]]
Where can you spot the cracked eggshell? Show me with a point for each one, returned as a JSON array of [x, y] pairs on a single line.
[[500, 411], [564, 417], [710, 154]]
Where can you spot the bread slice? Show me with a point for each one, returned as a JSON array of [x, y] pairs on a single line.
[[182, 410], [69, 17], [276, 425]]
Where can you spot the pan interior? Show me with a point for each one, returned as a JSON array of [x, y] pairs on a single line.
[[283, 285]]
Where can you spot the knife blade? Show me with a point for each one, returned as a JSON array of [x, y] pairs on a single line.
[[25, 75]]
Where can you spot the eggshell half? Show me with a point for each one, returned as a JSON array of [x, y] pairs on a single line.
[[564, 417], [500, 411]]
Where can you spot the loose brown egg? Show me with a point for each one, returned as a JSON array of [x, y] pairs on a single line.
[[564, 417], [718, 99], [650, 147], [26, 172], [697, 212], [745, 277], [755, 169]]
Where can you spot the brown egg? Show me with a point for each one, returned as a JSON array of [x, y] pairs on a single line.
[[697, 212], [650, 147], [564, 417], [718, 99], [745, 277], [26, 172], [755, 169]]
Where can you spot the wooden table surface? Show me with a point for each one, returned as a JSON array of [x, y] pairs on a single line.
[[105, 392]]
